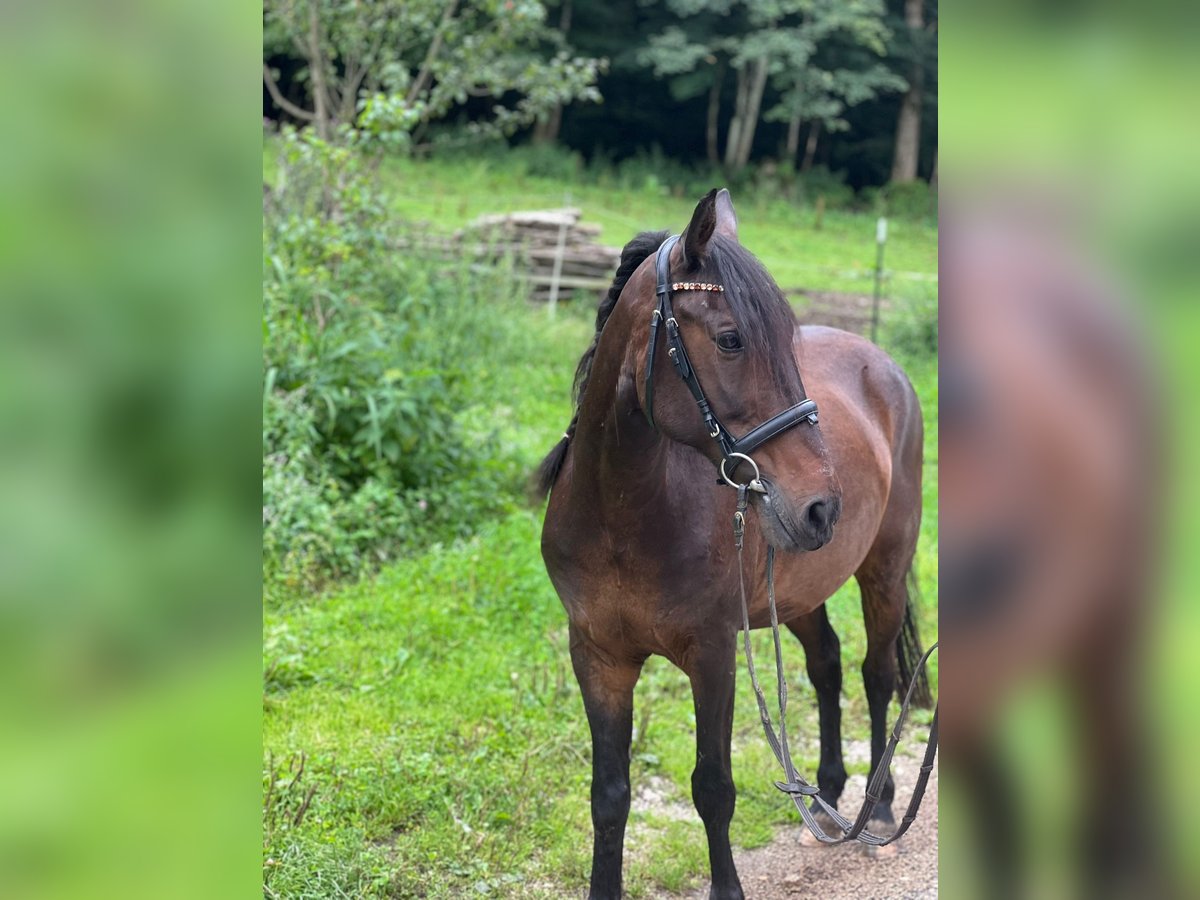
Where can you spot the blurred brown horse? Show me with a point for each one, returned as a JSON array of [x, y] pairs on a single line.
[[637, 538], [1049, 466]]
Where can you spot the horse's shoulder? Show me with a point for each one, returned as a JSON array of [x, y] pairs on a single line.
[[863, 389], [849, 358]]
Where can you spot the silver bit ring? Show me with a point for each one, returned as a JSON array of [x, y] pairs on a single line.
[[754, 484]]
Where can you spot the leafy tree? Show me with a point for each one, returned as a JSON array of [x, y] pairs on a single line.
[[830, 62], [395, 67], [546, 129], [720, 35], [771, 42]]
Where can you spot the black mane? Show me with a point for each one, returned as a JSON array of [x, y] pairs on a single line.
[[760, 309], [632, 256]]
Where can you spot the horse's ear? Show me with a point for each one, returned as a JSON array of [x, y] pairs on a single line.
[[700, 231], [726, 217]]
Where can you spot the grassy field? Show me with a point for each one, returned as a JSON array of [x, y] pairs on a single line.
[[840, 255], [423, 734], [836, 254]]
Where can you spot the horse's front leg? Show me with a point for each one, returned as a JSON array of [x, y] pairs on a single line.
[[823, 657], [711, 670], [607, 684]]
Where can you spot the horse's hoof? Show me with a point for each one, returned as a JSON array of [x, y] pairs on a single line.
[[890, 851], [808, 839]]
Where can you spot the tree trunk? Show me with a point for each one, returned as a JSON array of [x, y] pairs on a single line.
[[425, 74], [545, 131], [793, 138], [283, 102], [810, 146], [908, 128], [316, 68], [733, 138], [752, 82], [753, 106], [714, 114]]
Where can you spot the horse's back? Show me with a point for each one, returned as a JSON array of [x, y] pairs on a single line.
[[853, 377]]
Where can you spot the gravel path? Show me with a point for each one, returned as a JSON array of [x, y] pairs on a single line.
[[786, 870]]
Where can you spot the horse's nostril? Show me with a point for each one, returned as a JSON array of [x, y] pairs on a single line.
[[822, 514], [818, 514]]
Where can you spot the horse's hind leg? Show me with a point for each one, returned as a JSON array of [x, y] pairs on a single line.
[[607, 685], [823, 658], [711, 668], [1120, 852], [990, 794], [882, 582]]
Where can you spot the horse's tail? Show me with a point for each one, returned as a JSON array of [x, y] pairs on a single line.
[[909, 652], [547, 472]]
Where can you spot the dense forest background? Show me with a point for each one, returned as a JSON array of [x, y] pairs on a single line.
[[846, 88]]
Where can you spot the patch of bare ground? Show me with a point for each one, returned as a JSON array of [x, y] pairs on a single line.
[[786, 869], [850, 312]]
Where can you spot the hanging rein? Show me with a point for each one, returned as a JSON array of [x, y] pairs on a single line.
[[735, 451]]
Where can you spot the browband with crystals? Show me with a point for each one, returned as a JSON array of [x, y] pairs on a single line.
[[696, 286]]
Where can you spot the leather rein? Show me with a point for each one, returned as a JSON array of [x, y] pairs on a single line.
[[734, 451]]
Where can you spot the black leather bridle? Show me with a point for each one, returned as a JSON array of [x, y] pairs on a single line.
[[733, 450]]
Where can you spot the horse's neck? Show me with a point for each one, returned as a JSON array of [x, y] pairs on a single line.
[[618, 458]]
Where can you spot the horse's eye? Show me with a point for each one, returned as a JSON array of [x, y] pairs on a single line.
[[729, 340]]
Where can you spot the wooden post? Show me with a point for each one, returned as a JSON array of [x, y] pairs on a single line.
[[880, 241], [558, 258]]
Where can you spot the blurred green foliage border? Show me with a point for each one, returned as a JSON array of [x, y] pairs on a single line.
[[130, 395], [130, 405]]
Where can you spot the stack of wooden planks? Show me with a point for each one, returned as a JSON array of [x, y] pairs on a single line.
[[555, 254]]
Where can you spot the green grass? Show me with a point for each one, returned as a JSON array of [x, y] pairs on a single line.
[[446, 741], [445, 751], [840, 255]]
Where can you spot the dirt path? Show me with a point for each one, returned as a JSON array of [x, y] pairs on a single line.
[[786, 870]]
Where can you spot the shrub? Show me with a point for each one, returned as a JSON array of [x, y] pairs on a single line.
[[653, 172], [820, 182], [371, 352], [552, 161], [913, 200], [911, 327]]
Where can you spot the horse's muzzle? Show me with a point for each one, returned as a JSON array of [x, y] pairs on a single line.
[[804, 525]]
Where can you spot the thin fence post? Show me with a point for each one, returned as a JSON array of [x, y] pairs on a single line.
[[880, 242], [558, 258]]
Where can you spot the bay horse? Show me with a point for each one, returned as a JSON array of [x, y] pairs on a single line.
[[637, 530]]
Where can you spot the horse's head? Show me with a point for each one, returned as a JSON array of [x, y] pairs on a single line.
[[738, 331]]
